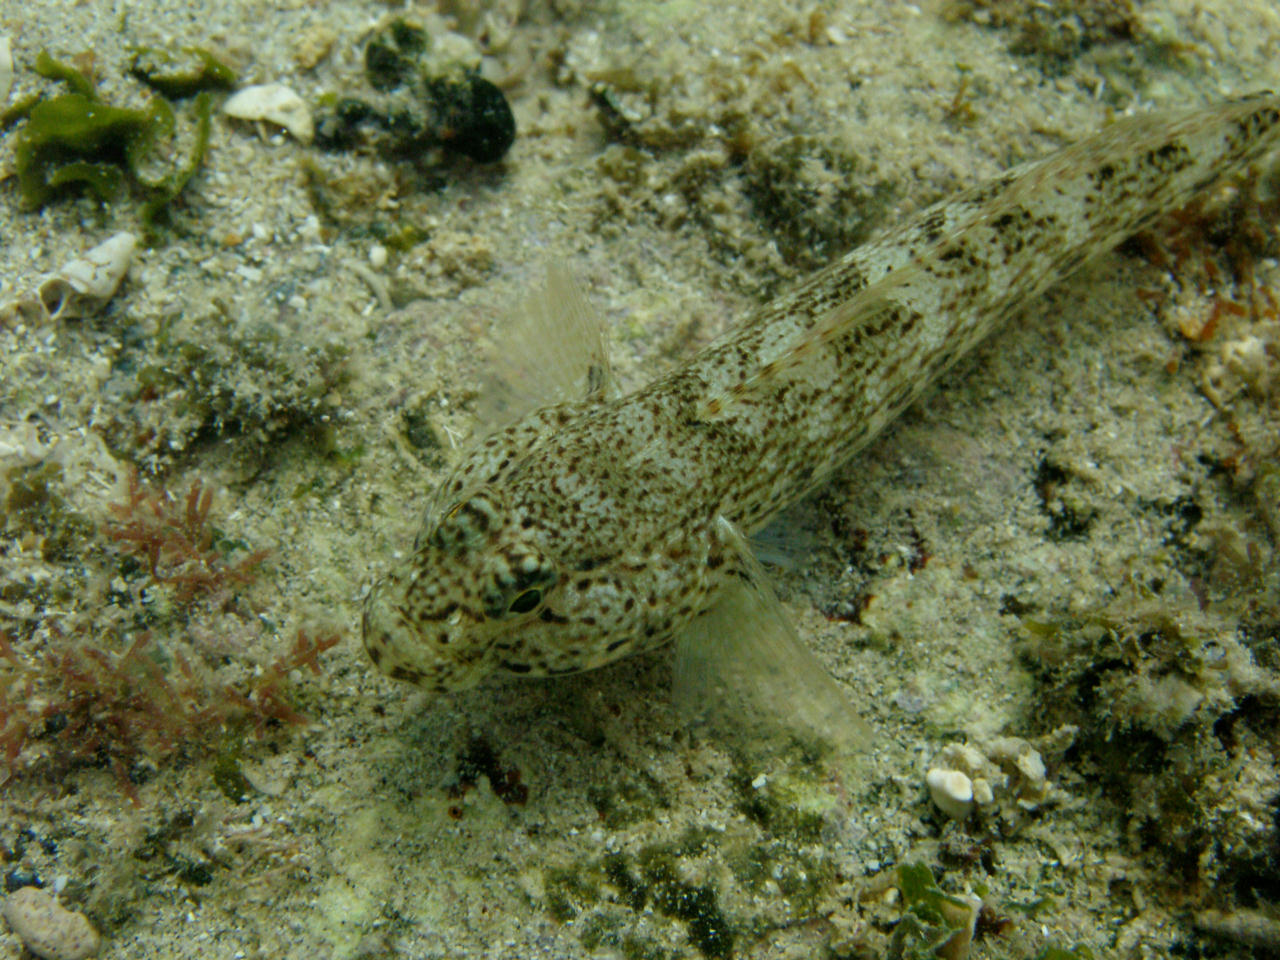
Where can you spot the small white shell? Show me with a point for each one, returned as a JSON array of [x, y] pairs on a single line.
[[84, 285], [951, 792], [48, 928], [274, 103], [6, 69]]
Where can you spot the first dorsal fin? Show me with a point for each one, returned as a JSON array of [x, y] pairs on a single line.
[[552, 351]]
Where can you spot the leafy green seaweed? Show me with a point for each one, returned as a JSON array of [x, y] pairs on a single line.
[[69, 139], [75, 142], [935, 923], [52, 69], [155, 210], [181, 73]]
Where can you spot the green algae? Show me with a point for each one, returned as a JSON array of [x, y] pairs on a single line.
[[934, 923], [74, 142], [390, 57], [226, 772], [156, 210], [52, 69], [418, 104], [566, 892], [630, 799], [593, 894], [604, 897], [182, 72], [209, 379], [788, 806], [34, 505]]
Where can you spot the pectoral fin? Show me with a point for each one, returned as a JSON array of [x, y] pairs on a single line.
[[742, 668]]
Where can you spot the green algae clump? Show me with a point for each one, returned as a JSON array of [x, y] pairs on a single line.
[[418, 104], [74, 142], [181, 73]]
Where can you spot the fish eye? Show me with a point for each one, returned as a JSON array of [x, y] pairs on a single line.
[[525, 602]]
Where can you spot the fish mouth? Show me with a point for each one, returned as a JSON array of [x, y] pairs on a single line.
[[440, 658]]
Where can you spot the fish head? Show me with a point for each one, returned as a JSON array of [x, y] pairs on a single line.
[[476, 575]]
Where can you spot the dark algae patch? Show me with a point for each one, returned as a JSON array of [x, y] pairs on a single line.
[[479, 759], [594, 896], [697, 906], [213, 377], [416, 105]]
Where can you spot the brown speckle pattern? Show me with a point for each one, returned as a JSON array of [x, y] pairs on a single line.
[[608, 509]]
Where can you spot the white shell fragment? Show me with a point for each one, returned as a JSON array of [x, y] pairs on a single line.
[[274, 103], [82, 287], [49, 929], [6, 68], [951, 791]]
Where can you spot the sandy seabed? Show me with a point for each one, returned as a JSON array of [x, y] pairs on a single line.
[[1070, 541]]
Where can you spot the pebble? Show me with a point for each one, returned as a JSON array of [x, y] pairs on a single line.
[[49, 929]]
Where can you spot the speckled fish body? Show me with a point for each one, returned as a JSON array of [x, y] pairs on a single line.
[[595, 528]]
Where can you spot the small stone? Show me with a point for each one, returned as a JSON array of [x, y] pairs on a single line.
[[983, 795], [952, 792], [377, 256], [1025, 765], [314, 45], [49, 929]]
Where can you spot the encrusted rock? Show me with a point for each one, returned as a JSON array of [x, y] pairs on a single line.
[[1008, 773], [49, 929]]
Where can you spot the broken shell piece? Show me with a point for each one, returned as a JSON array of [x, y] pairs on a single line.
[[274, 103], [83, 286], [964, 757], [6, 68], [952, 792], [1025, 767], [49, 929]]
